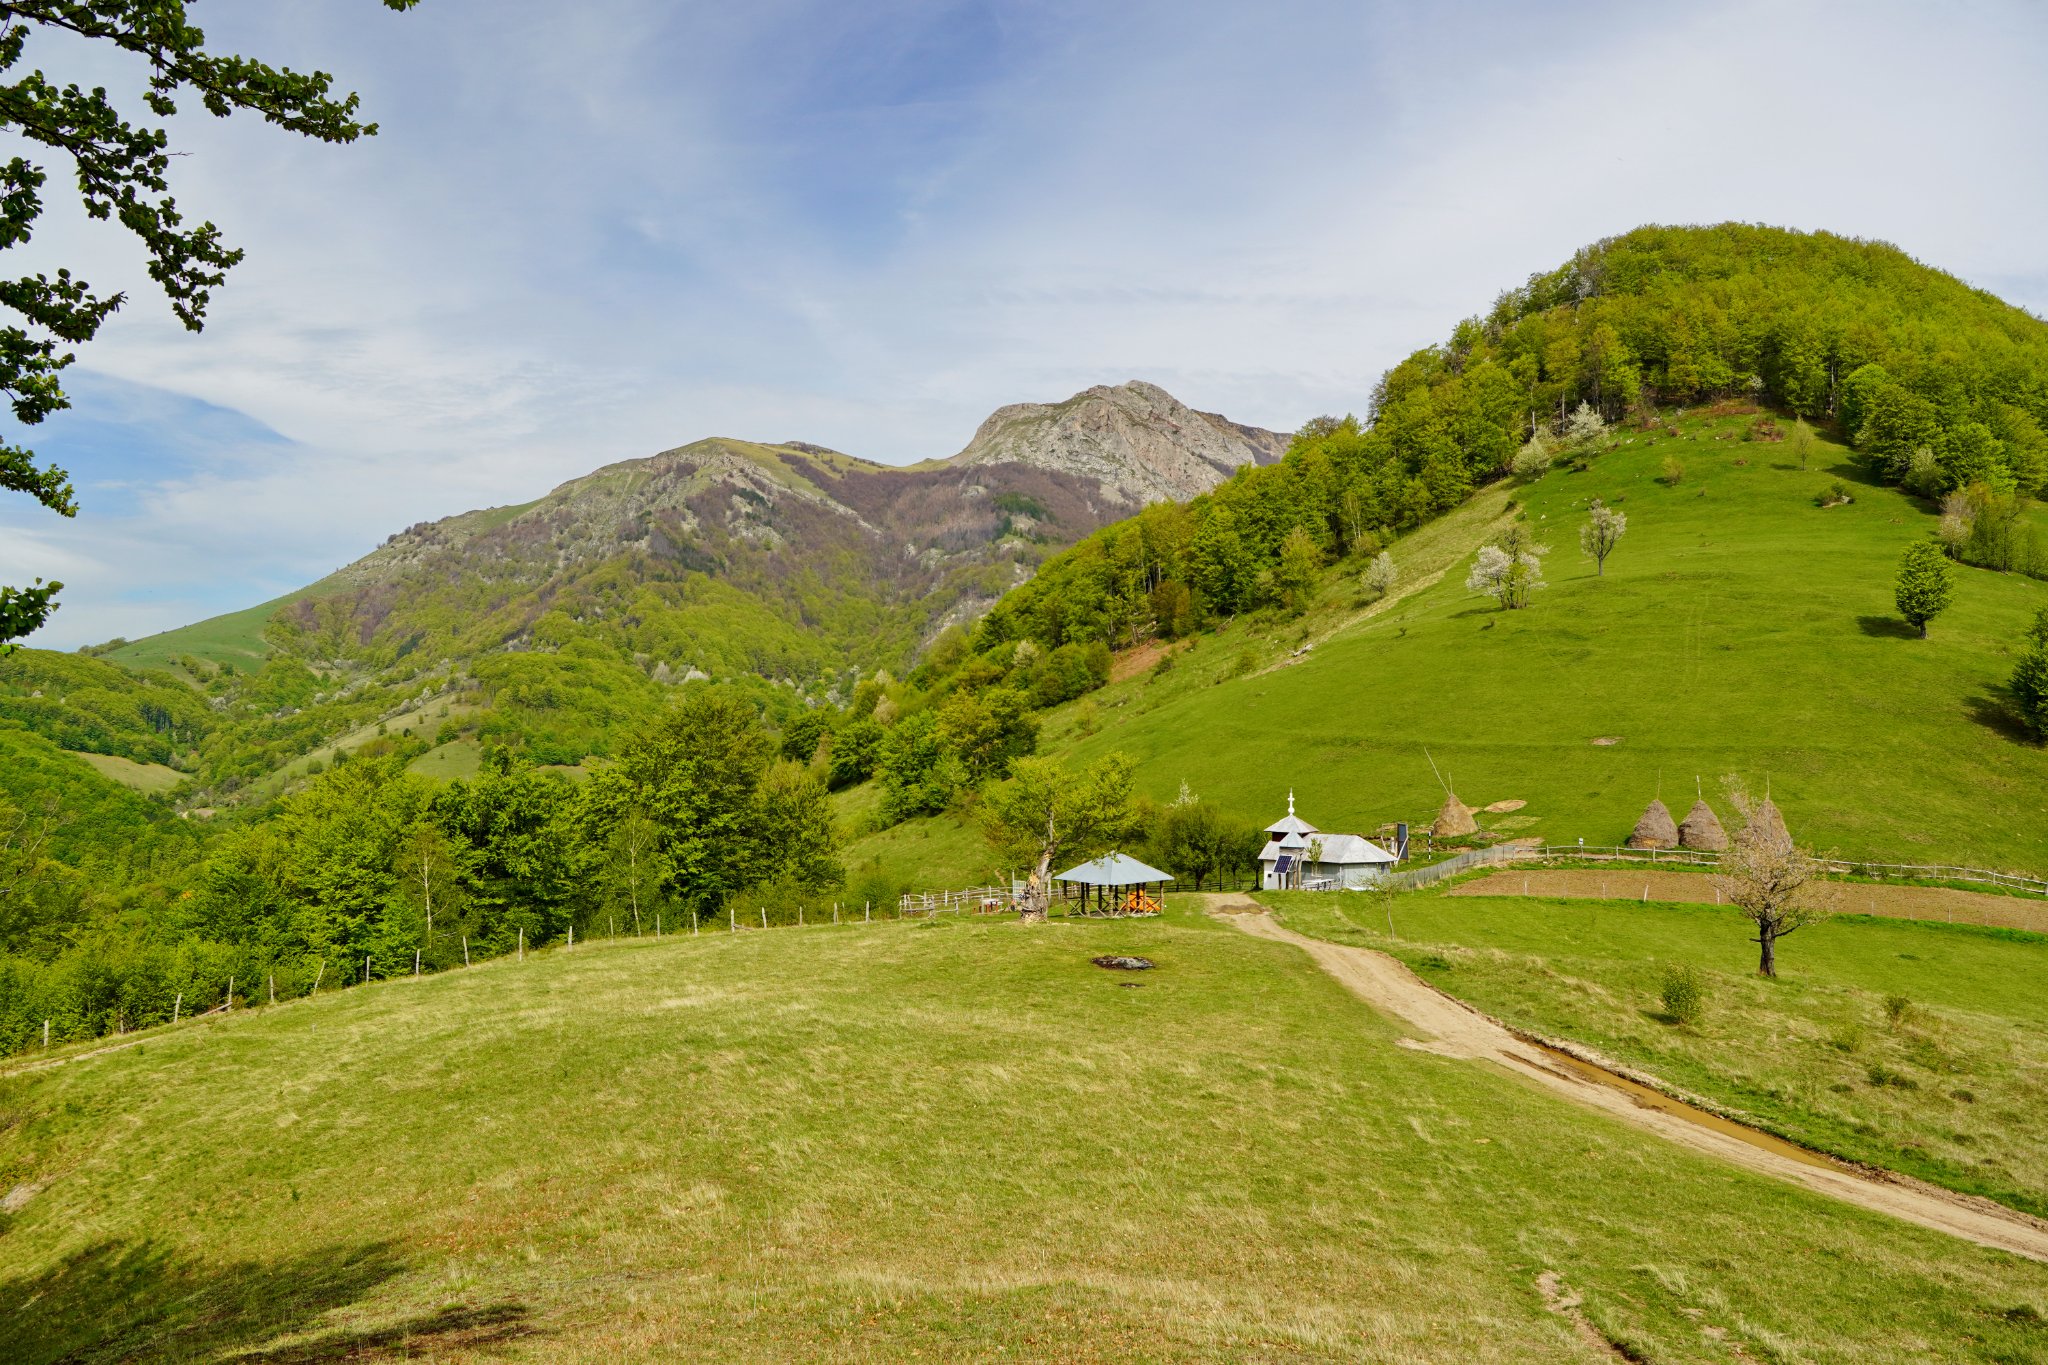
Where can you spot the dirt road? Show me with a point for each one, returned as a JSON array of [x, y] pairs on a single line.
[[1624, 882], [1450, 1029]]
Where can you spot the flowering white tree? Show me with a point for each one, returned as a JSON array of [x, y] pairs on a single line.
[[1586, 425], [1602, 532], [1507, 575], [1533, 458], [1380, 574]]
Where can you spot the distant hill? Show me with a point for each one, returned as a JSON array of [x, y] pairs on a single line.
[[549, 625], [824, 539]]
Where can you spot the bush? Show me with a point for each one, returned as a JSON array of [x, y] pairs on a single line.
[[1834, 495], [1684, 993], [1674, 471], [1898, 1009]]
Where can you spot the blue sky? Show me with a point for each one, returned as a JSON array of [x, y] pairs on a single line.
[[596, 231]]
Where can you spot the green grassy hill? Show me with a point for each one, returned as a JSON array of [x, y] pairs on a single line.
[[1738, 629], [955, 1142]]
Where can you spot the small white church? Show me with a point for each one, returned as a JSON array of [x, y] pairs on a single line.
[[1300, 857]]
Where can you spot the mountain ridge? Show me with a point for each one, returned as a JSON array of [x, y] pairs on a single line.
[[929, 545]]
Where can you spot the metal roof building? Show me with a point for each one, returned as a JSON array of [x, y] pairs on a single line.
[[1298, 855]]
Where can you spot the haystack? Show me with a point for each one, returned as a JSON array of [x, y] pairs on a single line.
[[1701, 829], [1655, 829], [1454, 819], [1769, 825]]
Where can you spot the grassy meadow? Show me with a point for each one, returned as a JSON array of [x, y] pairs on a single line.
[[1739, 628], [956, 1140], [148, 778], [1921, 1047]]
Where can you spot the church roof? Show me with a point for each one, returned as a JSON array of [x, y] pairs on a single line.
[[1291, 823], [1345, 849]]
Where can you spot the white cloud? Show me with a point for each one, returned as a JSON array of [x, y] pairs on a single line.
[[595, 231]]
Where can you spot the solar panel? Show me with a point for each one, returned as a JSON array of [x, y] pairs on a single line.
[[1286, 862]]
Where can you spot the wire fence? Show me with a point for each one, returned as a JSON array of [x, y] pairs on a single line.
[[1833, 867]]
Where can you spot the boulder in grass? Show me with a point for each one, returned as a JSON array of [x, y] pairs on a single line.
[[1655, 829], [1701, 830]]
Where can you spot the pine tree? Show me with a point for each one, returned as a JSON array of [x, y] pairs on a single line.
[[2030, 677], [1925, 584]]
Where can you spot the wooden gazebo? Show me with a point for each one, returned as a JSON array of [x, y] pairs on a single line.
[[1114, 884]]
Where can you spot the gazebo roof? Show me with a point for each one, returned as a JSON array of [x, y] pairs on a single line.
[[1112, 869]]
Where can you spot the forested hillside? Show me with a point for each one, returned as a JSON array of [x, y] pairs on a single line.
[[1936, 386]]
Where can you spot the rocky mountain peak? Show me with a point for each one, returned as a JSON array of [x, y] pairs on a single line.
[[1136, 440]]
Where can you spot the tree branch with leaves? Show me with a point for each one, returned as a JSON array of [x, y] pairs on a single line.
[[121, 168]]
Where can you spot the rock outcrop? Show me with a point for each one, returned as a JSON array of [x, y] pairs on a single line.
[[1136, 440]]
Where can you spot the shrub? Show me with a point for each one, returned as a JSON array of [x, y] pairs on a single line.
[[1674, 471], [1684, 993], [1898, 1009], [1834, 495], [1884, 1077]]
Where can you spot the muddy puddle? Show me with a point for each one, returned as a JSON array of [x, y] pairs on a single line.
[[1647, 1098]]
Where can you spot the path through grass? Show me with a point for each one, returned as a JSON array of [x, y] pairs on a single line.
[[1914, 1046], [956, 1141]]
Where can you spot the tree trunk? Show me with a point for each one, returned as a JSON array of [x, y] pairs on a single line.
[[1037, 892], [1767, 959]]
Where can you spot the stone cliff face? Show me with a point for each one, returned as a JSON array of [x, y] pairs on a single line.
[[1138, 442]]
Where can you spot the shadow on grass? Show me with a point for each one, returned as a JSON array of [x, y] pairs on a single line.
[[143, 1301], [1887, 628], [1995, 713]]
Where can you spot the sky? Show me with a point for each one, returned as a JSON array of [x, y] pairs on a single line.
[[597, 231]]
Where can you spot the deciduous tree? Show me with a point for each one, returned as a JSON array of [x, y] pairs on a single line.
[[1603, 531], [1764, 876], [121, 168], [1047, 811], [1925, 584]]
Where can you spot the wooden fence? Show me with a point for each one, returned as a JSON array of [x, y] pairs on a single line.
[[980, 900]]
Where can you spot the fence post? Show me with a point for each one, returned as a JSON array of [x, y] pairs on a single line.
[[465, 950], [273, 988], [176, 1005], [867, 912], [366, 971], [522, 943], [46, 1035], [231, 993], [764, 917], [572, 936]]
